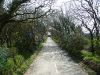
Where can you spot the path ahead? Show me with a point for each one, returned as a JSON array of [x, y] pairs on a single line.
[[53, 61]]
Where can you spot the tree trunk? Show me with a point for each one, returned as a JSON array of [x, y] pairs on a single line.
[[92, 43], [97, 38], [2, 25]]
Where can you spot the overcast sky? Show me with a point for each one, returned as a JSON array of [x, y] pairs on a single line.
[[60, 3]]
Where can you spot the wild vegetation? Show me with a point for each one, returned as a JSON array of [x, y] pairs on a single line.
[[22, 32], [68, 31], [78, 44], [24, 25]]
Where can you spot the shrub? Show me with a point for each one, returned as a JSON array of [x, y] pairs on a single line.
[[19, 60], [97, 47], [75, 45], [9, 67], [93, 61], [88, 56], [10, 64], [4, 54], [86, 53]]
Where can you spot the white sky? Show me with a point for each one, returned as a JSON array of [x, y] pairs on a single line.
[[60, 3]]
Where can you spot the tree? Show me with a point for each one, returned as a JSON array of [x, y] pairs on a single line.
[[18, 12], [87, 12], [67, 34]]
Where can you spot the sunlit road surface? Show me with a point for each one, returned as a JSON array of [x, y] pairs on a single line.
[[54, 61]]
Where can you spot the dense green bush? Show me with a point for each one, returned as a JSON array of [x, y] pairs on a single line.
[[19, 60], [88, 56], [69, 36], [10, 66], [92, 61], [76, 46], [11, 63], [97, 47], [16, 66], [73, 45], [4, 54]]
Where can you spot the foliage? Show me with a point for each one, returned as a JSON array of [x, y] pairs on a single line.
[[22, 42], [97, 47], [11, 63], [90, 57], [4, 54], [69, 36], [92, 61], [22, 30], [19, 60]]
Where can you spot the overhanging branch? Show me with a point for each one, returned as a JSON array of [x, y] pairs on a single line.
[[37, 17]]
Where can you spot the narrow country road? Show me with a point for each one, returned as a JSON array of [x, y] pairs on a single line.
[[54, 61]]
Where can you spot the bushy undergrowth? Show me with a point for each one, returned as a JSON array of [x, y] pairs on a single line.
[[88, 56], [4, 54], [97, 47], [14, 63], [92, 61], [73, 46]]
